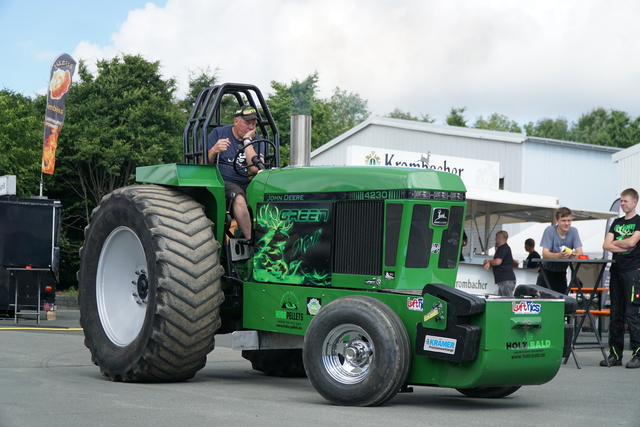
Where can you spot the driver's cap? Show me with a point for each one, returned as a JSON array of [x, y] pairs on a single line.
[[247, 112]]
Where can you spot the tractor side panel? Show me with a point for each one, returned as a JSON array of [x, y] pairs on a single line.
[[290, 308], [293, 243], [511, 341], [519, 342]]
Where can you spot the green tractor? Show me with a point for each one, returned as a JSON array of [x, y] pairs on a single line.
[[348, 278]]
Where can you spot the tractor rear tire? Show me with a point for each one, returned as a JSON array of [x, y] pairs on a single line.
[[149, 285], [489, 392], [356, 352], [277, 363]]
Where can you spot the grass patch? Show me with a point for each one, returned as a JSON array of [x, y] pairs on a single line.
[[71, 292]]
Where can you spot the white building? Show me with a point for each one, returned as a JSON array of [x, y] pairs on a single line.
[[510, 177], [581, 176], [628, 170]]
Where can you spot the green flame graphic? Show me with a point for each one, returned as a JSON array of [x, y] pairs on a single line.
[[270, 264]]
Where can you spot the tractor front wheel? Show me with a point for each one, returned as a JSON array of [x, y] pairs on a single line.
[[356, 352]]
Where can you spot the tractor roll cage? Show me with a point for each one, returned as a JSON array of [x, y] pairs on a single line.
[[206, 116]]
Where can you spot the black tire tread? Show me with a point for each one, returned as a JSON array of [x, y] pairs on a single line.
[[188, 294], [489, 392], [277, 363]]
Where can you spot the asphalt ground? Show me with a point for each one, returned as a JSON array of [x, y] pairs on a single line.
[[47, 379]]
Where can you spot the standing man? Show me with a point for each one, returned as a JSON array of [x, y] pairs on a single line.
[[624, 283], [553, 238], [464, 243], [502, 264], [530, 247], [223, 143]]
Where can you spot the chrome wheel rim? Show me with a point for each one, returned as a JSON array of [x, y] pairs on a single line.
[[347, 354]]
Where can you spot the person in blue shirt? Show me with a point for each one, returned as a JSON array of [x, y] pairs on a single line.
[[553, 238], [222, 147]]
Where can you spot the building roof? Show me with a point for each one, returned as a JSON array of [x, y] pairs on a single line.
[[573, 144], [517, 138], [634, 149]]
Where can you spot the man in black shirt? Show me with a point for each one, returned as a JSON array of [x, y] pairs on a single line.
[[502, 264], [530, 247], [624, 283]]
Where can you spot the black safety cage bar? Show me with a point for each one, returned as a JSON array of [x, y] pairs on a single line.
[[206, 115]]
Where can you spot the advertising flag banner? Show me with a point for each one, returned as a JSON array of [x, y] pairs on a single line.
[[59, 82]]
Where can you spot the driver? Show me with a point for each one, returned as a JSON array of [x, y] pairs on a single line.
[[223, 142]]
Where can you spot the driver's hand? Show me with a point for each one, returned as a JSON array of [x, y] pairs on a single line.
[[221, 145], [250, 134]]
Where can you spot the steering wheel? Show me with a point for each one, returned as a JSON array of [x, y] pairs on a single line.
[[268, 161]]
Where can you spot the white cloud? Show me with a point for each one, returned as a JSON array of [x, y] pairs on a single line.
[[542, 58]]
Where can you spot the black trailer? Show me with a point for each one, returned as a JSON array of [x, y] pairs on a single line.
[[29, 254]]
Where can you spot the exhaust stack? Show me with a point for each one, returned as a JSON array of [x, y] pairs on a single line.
[[300, 140]]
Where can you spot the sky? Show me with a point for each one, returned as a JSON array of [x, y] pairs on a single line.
[[525, 60]]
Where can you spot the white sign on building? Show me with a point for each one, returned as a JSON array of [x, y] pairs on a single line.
[[474, 173]]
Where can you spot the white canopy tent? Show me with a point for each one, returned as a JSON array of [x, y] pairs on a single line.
[[488, 210]]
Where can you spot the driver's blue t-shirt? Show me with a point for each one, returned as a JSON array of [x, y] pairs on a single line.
[[225, 159]]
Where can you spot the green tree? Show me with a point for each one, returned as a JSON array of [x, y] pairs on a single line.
[[199, 80], [348, 109], [122, 117], [405, 115], [119, 119], [613, 128], [334, 116], [21, 133], [550, 128], [298, 97], [330, 117], [456, 117], [593, 127], [497, 122], [281, 107]]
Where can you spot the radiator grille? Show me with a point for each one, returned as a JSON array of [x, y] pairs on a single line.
[[358, 238]]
